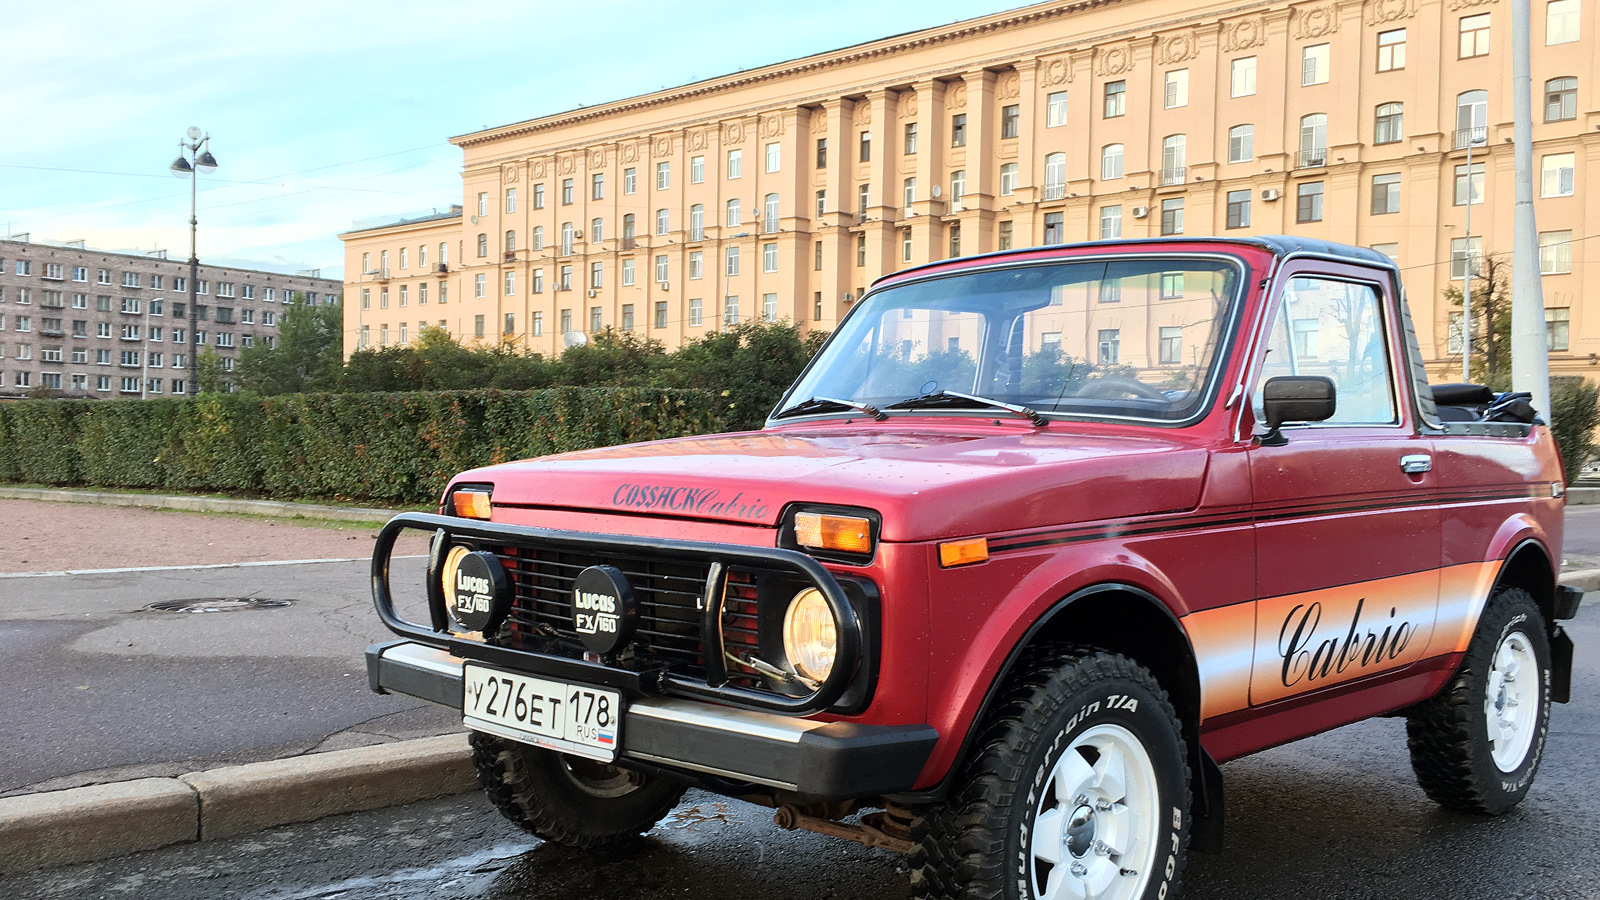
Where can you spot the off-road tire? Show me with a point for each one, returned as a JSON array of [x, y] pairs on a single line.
[[978, 843], [569, 801], [1451, 749]]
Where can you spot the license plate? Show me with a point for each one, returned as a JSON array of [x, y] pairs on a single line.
[[572, 718]]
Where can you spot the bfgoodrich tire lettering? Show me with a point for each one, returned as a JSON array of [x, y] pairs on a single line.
[[1078, 780], [569, 801], [1476, 746]]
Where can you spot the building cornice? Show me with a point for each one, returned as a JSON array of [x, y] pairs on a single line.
[[869, 50]]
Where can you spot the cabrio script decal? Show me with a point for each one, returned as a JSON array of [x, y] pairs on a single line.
[[692, 501], [1305, 656]]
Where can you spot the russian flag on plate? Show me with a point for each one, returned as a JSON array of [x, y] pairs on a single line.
[[608, 738]]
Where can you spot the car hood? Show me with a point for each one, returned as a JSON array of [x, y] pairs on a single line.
[[927, 483]]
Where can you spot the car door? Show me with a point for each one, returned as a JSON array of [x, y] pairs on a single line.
[[1346, 517]]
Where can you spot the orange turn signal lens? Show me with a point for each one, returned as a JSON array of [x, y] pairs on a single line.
[[471, 504], [850, 534], [963, 553]]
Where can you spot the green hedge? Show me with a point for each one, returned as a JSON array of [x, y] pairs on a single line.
[[392, 448]]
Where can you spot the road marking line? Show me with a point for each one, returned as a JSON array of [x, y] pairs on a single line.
[[237, 565]]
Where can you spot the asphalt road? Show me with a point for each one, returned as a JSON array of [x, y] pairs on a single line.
[[97, 687], [1335, 816]]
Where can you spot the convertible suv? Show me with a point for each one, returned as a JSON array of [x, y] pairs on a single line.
[[1037, 540]]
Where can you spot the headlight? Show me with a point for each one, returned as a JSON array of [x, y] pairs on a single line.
[[810, 636]]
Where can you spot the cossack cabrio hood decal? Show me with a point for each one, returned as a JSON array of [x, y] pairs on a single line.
[[926, 484]]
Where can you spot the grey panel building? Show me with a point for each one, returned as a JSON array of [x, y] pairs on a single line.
[[92, 323]]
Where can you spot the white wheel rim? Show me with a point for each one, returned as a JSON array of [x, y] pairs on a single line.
[[1094, 832], [1511, 701]]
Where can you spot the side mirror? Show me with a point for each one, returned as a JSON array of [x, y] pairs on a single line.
[[1295, 398]]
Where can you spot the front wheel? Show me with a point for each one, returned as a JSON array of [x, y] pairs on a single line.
[[1078, 787], [1476, 746], [568, 800]]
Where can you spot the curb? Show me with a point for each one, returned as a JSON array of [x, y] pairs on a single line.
[[278, 508], [108, 820]]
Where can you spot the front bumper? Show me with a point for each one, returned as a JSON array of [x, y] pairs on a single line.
[[822, 760]]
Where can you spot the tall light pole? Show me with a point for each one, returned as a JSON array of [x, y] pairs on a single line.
[[204, 163]]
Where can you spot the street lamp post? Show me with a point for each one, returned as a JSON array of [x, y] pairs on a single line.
[[204, 163]]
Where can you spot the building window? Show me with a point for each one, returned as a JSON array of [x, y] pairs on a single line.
[[1243, 80], [1313, 141], [955, 241], [731, 219], [1010, 121], [861, 250], [697, 170], [822, 153], [663, 221], [568, 192], [822, 203], [958, 130], [769, 257], [1175, 93], [1055, 176], [770, 215], [1474, 36], [1241, 143], [597, 275], [731, 262], [564, 278], [1055, 109], [1560, 99], [630, 181], [865, 147], [1054, 228], [1004, 238], [627, 317], [774, 156], [1116, 99], [909, 144], [661, 313], [1557, 175], [483, 245], [1110, 342], [1392, 50], [536, 282], [566, 321], [1008, 179], [1314, 64], [663, 269], [769, 307], [1308, 205], [697, 222], [735, 164], [905, 245], [696, 312], [730, 311], [1388, 123], [1555, 252], [663, 175], [958, 187], [696, 264], [1561, 22], [1469, 184], [597, 186], [1239, 209], [909, 192], [511, 244], [569, 234], [1557, 323], [479, 283], [1171, 345], [1472, 118], [483, 204], [1465, 253], [1111, 161], [538, 203], [1385, 194], [1110, 222], [1174, 152], [1172, 216], [511, 207], [596, 320]]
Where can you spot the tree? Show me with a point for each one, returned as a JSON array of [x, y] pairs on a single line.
[[1491, 318], [752, 364], [308, 355], [209, 371]]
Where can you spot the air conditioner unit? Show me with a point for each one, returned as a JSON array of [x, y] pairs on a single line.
[[577, 235], [592, 292], [1140, 212], [1270, 194], [664, 285]]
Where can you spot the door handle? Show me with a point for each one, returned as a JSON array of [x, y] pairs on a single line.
[[1416, 463]]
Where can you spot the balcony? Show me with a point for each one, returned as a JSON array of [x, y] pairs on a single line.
[[1055, 191], [443, 268], [1314, 158], [1471, 137], [1171, 175], [510, 256]]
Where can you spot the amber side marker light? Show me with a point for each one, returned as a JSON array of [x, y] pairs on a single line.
[[963, 553], [850, 534], [471, 504]]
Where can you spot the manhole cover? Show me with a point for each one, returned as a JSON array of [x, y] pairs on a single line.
[[217, 604]]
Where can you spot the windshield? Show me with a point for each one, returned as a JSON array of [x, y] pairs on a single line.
[[1131, 337]]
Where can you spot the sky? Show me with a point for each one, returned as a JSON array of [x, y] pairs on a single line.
[[323, 112]]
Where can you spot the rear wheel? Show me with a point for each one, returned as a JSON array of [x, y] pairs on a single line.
[[568, 800], [1476, 746], [1079, 787]]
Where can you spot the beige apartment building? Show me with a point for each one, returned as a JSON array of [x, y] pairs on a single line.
[[782, 192]]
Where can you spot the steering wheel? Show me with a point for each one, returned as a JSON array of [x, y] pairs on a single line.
[[1112, 386]]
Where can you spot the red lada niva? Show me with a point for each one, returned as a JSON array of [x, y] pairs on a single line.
[[1038, 539]]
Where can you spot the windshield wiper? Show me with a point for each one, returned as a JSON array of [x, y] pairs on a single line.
[[1031, 415], [815, 404]]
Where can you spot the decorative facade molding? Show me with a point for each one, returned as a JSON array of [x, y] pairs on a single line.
[[1464, 4], [863, 112], [1243, 34], [1379, 11], [597, 158], [955, 97], [908, 105], [566, 165], [661, 147], [819, 121], [695, 139], [1008, 86], [509, 173], [536, 169], [629, 151], [1177, 48], [733, 133], [1318, 21], [1114, 60], [1055, 71], [772, 126]]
